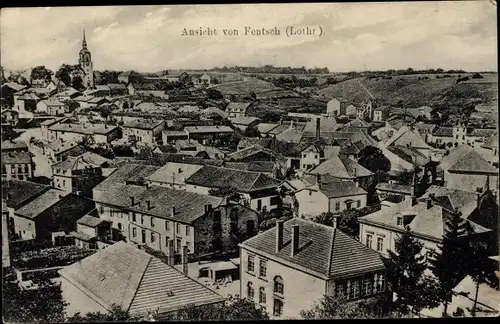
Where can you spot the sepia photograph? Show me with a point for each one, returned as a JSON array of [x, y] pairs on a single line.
[[225, 162]]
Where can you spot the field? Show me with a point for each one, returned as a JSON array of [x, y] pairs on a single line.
[[246, 87]]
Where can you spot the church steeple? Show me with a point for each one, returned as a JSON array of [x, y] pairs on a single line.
[[84, 43]]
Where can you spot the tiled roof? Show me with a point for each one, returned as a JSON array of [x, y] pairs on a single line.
[[278, 130], [244, 120], [339, 188], [97, 100], [41, 203], [128, 172], [252, 150], [208, 129], [89, 129], [59, 147], [465, 158], [169, 173], [463, 201], [214, 110], [189, 206], [265, 128], [254, 166], [323, 251], [327, 125], [393, 187], [237, 106], [406, 137], [359, 123], [90, 221], [149, 124], [14, 86], [16, 157], [14, 145], [83, 161], [243, 181], [409, 154], [17, 192], [424, 128], [483, 132], [341, 166], [249, 141], [491, 142], [443, 131], [28, 96], [123, 275], [183, 158], [290, 136], [174, 133]]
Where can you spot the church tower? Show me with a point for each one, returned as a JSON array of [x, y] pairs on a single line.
[[85, 62]]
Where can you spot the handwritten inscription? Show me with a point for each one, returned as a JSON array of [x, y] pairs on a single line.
[[289, 31]]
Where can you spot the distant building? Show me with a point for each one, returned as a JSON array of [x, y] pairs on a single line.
[[336, 107], [380, 114], [53, 211], [60, 150], [239, 109], [128, 277], [17, 165], [14, 146], [91, 232], [291, 267], [101, 133], [85, 63], [206, 79], [209, 134], [146, 131], [129, 77], [51, 107]]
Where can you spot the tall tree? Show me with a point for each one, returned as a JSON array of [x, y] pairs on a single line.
[[41, 73], [77, 83], [373, 159], [117, 314], [451, 251], [405, 273], [64, 74], [479, 268]]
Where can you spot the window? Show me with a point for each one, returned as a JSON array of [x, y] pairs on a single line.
[[354, 289], [358, 203], [259, 204], [463, 137], [142, 219], [167, 225], [188, 244], [250, 291], [120, 226], [152, 237], [337, 205], [278, 285], [262, 268], [400, 221], [315, 156], [262, 295], [101, 210], [340, 288], [369, 240], [64, 183], [187, 230], [178, 228], [381, 283], [133, 217], [134, 232], [251, 263], [380, 244], [179, 171], [277, 308], [152, 221], [367, 286], [179, 245], [143, 232]]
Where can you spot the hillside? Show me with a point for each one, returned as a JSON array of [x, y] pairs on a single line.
[[246, 87], [415, 91]]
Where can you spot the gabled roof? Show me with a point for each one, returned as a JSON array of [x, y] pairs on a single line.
[[265, 128], [243, 181], [254, 166], [244, 120], [252, 150], [483, 132], [16, 157], [424, 128], [88, 129], [208, 129], [14, 86], [41, 203], [169, 173], [131, 172], [52, 102], [406, 137], [491, 142], [324, 251], [128, 277], [461, 200], [10, 145], [465, 158], [443, 131], [395, 188], [340, 166], [409, 154], [339, 188], [358, 123], [249, 141], [82, 161], [17, 192], [90, 221], [237, 106], [148, 124], [50, 122]]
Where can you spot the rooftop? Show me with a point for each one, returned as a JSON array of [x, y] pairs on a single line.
[[244, 120], [243, 181], [406, 137], [16, 157], [465, 158], [83, 161], [323, 251], [10, 145], [394, 187], [41, 203], [149, 124], [252, 150], [237, 106], [341, 166], [208, 129], [129, 172], [17, 192], [88, 129], [443, 131], [90, 221], [123, 275]]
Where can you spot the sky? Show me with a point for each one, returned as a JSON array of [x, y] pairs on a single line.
[[356, 37]]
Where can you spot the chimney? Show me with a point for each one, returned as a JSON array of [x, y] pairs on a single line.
[[148, 202], [354, 172], [318, 124], [429, 201], [279, 235], [184, 258], [479, 193], [132, 201], [172, 212], [171, 253], [295, 240]]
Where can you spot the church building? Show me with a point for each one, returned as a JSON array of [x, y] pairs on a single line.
[[85, 62]]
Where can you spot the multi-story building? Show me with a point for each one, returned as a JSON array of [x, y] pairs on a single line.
[[101, 133], [146, 131], [17, 165], [291, 267], [156, 215], [239, 109], [256, 190], [209, 134]]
